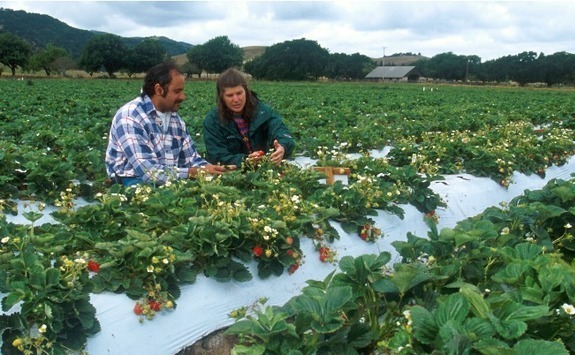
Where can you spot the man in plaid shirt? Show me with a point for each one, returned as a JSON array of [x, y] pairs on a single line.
[[148, 140]]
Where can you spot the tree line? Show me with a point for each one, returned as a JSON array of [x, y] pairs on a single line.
[[292, 60], [523, 68]]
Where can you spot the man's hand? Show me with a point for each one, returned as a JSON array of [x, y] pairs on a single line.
[[215, 169], [210, 169], [230, 167], [277, 156]]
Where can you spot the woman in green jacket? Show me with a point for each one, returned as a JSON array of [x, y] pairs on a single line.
[[242, 127]]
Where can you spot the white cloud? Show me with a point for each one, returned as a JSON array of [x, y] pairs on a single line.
[[489, 29]]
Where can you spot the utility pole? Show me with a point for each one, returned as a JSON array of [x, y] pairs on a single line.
[[383, 65]]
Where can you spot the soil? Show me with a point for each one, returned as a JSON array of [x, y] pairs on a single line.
[[216, 343]]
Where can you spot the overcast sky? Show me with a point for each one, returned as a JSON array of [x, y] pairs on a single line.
[[488, 29]]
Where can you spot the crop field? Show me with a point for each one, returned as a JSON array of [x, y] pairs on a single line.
[[58, 128], [146, 242]]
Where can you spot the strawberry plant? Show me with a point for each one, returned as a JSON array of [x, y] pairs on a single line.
[[498, 282], [55, 314]]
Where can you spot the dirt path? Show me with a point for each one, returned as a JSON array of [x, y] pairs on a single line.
[[215, 343]]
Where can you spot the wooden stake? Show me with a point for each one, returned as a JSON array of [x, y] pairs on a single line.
[[330, 171]]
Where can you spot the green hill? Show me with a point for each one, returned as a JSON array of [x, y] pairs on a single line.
[[40, 30]]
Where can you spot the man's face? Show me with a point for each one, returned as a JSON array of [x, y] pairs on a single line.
[[235, 98], [169, 100]]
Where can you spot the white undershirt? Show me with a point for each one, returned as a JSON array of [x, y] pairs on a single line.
[[165, 118]]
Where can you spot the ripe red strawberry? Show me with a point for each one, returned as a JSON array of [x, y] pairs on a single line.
[[137, 309], [258, 251], [363, 236], [260, 153], [155, 305], [289, 252], [93, 266], [324, 254], [293, 268]]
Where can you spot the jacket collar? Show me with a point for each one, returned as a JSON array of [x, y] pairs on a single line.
[[231, 125]]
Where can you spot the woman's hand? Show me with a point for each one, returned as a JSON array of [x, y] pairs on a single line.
[[256, 156], [278, 154]]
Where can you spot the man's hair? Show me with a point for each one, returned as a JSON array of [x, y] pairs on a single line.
[[230, 79], [159, 74]]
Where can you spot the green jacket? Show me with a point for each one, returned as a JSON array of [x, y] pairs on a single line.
[[224, 143]]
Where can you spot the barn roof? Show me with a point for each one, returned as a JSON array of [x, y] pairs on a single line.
[[391, 72]]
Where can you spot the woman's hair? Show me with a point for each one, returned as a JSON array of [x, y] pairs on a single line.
[[159, 74], [230, 79]]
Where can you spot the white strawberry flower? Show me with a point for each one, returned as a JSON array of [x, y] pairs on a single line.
[[568, 308]]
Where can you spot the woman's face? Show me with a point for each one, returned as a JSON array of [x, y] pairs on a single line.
[[235, 98]]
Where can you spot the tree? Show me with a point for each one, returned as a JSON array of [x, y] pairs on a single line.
[[190, 69], [104, 51], [63, 64], [348, 67], [522, 68], [448, 66], [473, 69], [46, 58], [299, 59], [526, 68], [145, 55], [197, 57], [216, 55], [558, 68], [14, 51]]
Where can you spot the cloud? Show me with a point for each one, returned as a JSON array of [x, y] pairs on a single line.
[[489, 29]]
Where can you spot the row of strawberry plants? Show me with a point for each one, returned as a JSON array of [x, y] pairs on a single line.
[[146, 242], [499, 282], [54, 131]]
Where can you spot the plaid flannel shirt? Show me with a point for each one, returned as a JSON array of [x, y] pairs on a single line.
[[138, 146]]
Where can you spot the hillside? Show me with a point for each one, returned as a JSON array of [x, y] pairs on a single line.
[[40, 30]]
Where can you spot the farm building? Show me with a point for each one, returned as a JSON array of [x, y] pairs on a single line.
[[395, 73]]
